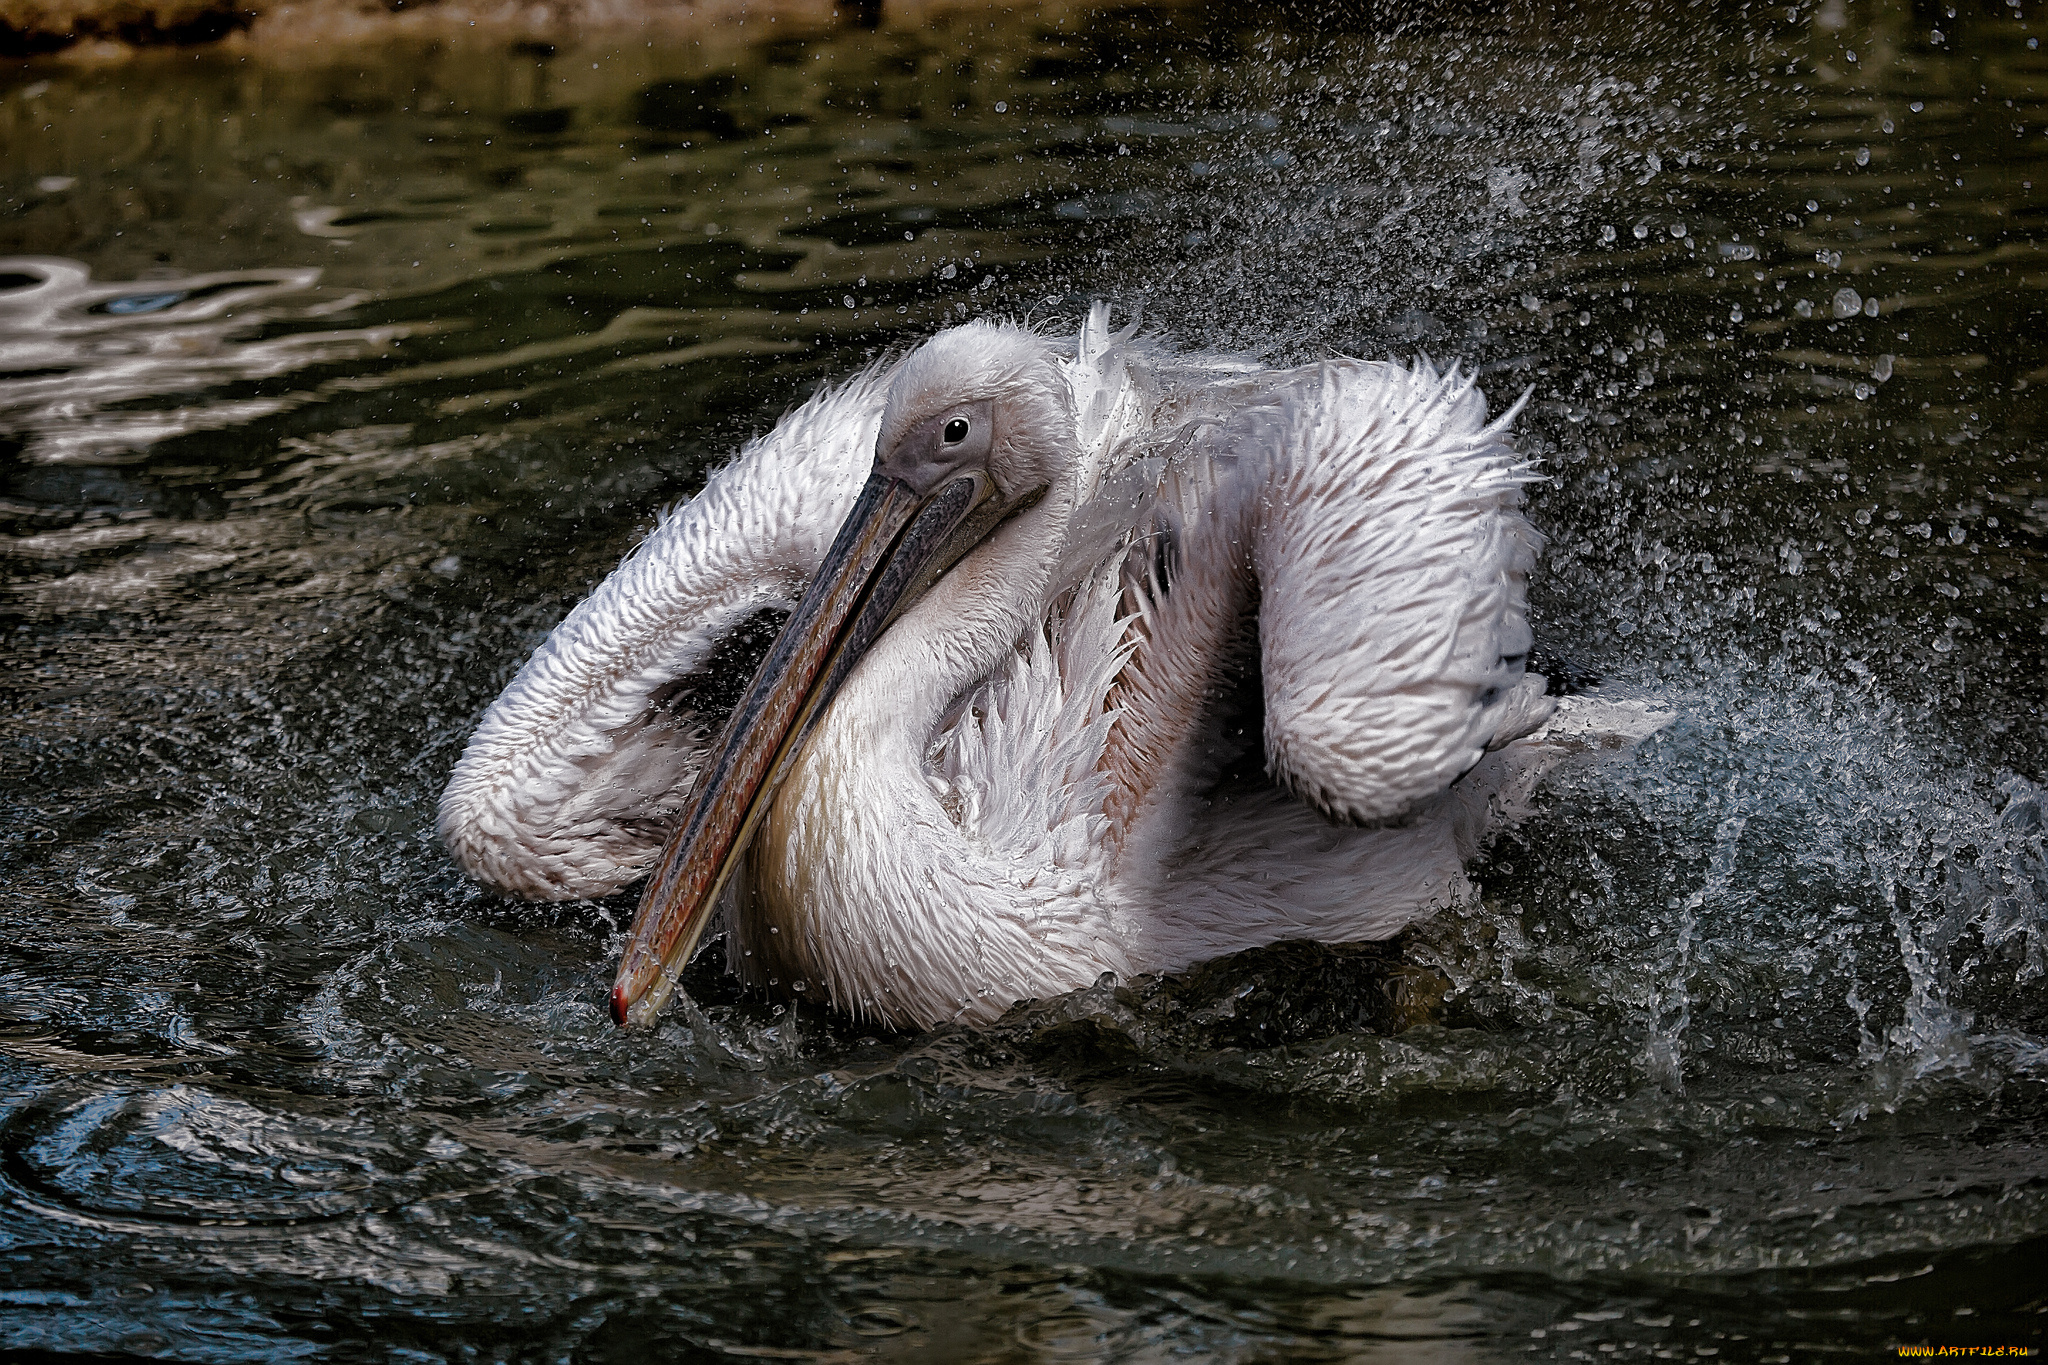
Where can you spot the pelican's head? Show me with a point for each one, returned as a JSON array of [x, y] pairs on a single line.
[[987, 397], [978, 427]]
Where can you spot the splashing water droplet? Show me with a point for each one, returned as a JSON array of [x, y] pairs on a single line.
[[1848, 303]]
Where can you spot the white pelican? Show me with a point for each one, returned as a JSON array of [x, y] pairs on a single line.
[[1046, 596]]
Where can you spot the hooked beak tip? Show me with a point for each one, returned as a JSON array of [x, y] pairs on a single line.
[[621, 1007]]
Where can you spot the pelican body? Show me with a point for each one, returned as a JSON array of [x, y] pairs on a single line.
[[1099, 657]]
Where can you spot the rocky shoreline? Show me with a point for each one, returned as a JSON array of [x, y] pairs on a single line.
[[112, 29]]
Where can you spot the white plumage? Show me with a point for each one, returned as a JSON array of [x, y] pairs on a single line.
[[1047, 766]]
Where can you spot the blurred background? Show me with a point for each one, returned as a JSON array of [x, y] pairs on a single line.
[[342, 350]]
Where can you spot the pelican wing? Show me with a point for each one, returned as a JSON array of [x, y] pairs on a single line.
[[567, 787], [1392, 561]]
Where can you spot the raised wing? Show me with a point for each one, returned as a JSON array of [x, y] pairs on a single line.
[[572, 777], [1392, 561]]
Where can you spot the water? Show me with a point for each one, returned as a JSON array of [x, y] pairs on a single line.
[[335, 375]]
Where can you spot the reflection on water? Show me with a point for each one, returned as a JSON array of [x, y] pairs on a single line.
[[79, 353], [328, 387]]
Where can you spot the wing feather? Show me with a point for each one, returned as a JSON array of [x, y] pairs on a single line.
[[565, 789], [1393, 562]]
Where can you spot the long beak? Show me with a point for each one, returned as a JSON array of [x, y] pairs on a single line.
[[895, 542]]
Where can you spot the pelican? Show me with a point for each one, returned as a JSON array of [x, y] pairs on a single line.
[[1100, 656]]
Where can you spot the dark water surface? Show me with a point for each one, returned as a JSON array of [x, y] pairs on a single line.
[[331, 381]]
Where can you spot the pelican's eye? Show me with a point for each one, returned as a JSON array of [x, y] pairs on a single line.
[[956, 431]]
